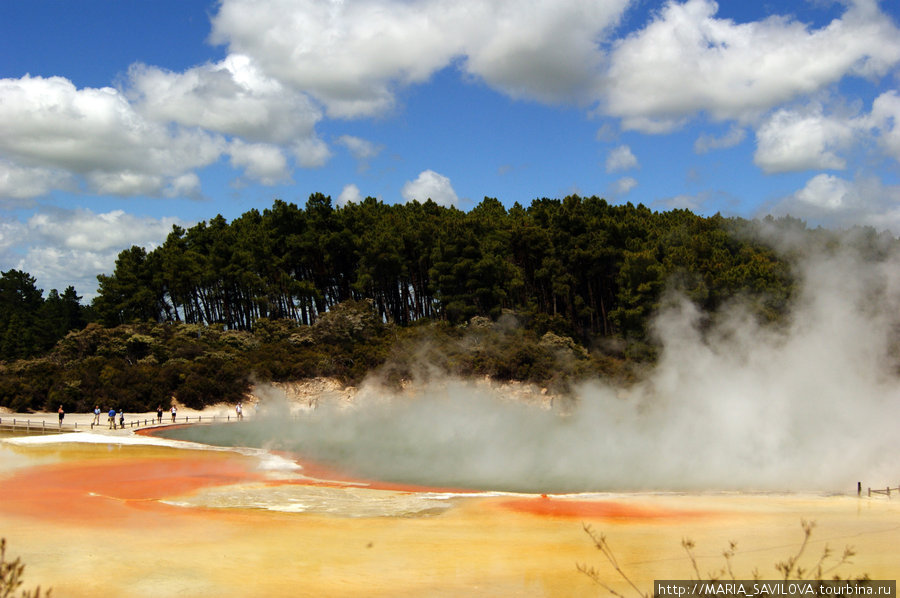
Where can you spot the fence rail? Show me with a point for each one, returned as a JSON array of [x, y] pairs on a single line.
[[883, 491], [38, 427], [29, 426]]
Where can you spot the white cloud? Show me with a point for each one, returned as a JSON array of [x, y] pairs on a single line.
[[62, 247], [694, 203], [186, 185], [687, 61], [885, 117], [346, 54], [794, 140], [231, 97], [11, 233], [350, 193], [544, 50], [22, 182], [606, 133], [360, 148], [620, 158], [624, 185], [832, 201], [261, 161], [827, 192], [311, 152], [706, 142], [430, 185], [50, 131], [352, 55]]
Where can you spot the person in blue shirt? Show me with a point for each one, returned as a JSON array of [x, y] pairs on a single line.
[[112, 419]]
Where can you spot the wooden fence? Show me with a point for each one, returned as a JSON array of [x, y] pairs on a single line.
[[29, 426], [883, 491], [35, 427]]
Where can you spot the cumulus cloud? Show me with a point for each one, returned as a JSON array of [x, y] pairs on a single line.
[[706, 142], [232, 97], [186, 185], [345, 54], [620, 158], [62, 247], [22, 182], [738, 71], [11, 232], [624, 185], [794, 140], [352, 55], [828, 192], [261, 161], [311, 152], [349, 194], [548, 51], [885, 117], [832, 201], [430, 185], [50, 131], [360, 148]]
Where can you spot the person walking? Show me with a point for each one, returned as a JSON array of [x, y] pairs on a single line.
[[112, 419], [62, 414], [121, 419], [173, 413], [96, 416], [159, 414], [239, 410]]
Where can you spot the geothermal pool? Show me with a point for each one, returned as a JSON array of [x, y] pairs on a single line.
[[92, 515]]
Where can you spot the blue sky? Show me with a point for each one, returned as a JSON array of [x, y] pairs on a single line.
[[119, 119]]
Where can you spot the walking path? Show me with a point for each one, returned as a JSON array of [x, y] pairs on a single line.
[[83, 422]]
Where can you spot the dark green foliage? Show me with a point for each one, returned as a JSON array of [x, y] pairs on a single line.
[[577, 266], [29, 324]]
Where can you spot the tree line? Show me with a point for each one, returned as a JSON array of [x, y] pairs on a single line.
[[577, 266], [552, 293], [31, 324]]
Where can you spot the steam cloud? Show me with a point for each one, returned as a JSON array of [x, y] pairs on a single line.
[[812, 405]]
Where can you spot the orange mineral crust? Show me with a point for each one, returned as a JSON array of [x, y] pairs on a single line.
[[102, 491], [103, 521], [604, 509]]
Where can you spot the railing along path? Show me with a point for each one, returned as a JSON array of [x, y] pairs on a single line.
[[17, 424], [883, 491]]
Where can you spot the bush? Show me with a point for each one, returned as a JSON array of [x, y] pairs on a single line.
[[822, 568], [11, 576]]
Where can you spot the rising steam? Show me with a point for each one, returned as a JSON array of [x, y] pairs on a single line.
[[811, 405]]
